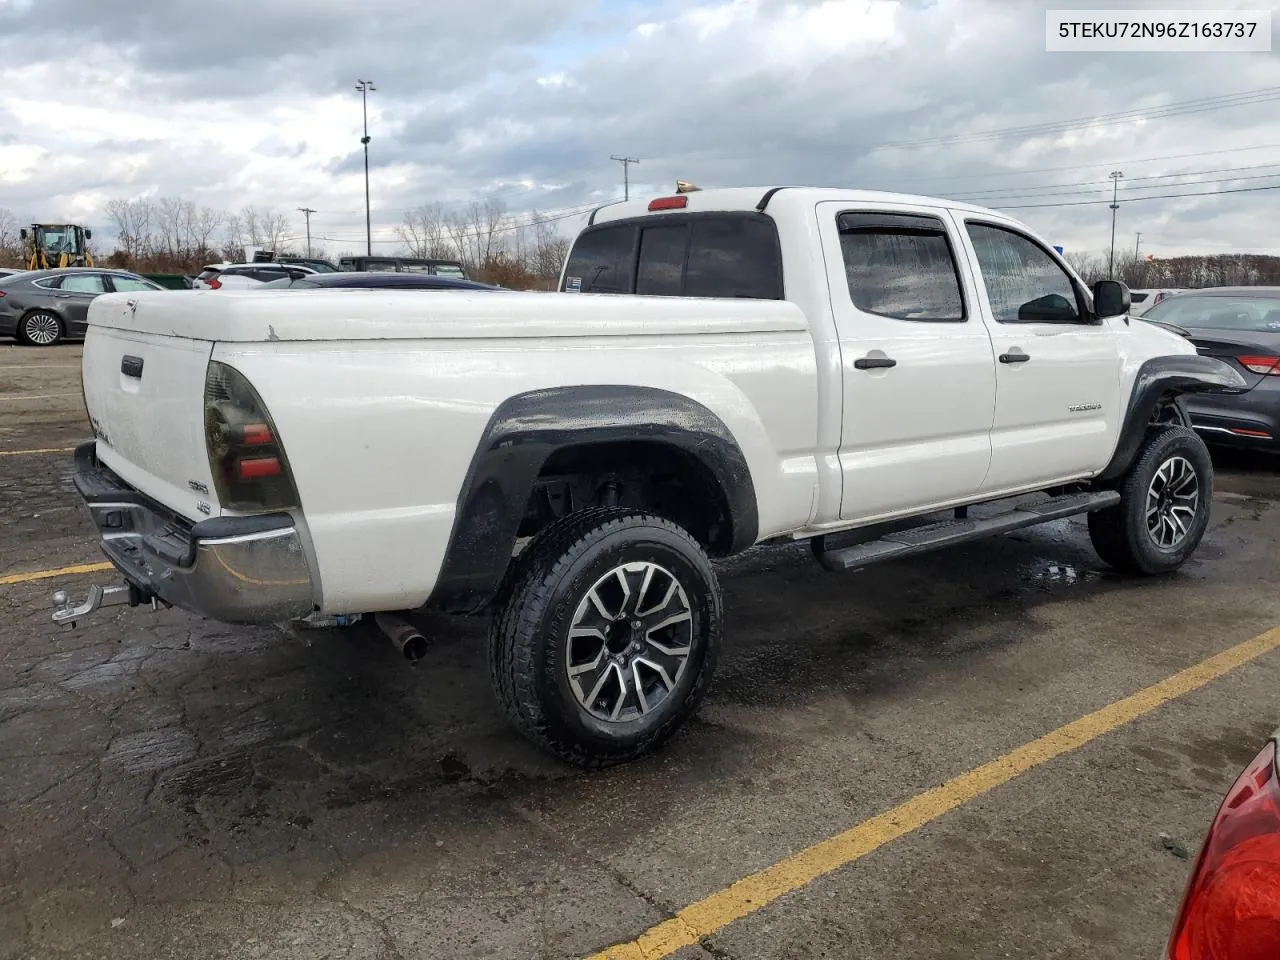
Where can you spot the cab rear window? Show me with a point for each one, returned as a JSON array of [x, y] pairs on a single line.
[[690, 255]]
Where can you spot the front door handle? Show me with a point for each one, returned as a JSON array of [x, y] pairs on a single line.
[[1014, 357], [874, 363]]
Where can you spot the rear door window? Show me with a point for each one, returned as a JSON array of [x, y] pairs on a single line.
[[901, 266], [603, 261], [84, 283]]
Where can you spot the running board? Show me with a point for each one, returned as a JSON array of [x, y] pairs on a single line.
[[947, 533]]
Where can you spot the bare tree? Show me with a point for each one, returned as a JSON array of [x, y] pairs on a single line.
[[10, 246], [204, 224], [425, 231], [550, 249], [133, 220], [477, 231]]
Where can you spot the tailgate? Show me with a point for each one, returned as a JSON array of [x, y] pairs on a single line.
[[145, 397]]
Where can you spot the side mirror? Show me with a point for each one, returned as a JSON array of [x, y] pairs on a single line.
[[22, 234], [88, 234], [1051, 308], [1111, 298]]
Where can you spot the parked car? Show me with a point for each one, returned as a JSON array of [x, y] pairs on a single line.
[[772, 366], [1241, 326], [42, 307], [7, 272], [379, 281], [1144, 300], [440, 268], [315, 263], [1231, 907], [217, 275]]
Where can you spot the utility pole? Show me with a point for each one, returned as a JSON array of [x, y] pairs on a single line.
[[1137, 245], [307, 212], [626, 174], [1115, 205], [364, 86]]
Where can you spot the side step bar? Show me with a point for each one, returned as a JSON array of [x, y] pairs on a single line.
[[947, 533]]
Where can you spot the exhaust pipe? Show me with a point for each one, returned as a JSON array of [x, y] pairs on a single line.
[[405, 637]]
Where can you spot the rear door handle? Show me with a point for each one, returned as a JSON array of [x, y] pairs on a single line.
[[131, 366], [874, 363], [1014, 357]]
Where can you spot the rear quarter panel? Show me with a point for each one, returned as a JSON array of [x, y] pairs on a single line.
[[380, 434]]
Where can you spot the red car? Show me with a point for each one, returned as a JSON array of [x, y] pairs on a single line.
[[1231, 909]]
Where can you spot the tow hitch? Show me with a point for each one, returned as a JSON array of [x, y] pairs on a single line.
[[64, 612]]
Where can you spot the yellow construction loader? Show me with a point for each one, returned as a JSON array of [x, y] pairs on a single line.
[[56, 245]]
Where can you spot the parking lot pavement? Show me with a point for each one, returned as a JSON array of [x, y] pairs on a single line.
[[178, 788]]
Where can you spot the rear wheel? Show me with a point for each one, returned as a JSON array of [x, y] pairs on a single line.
[[1164, 505], [40, 328], [606, 636]]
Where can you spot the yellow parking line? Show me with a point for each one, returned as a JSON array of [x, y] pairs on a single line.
[[28, 453], [751, 893], [49, 574]]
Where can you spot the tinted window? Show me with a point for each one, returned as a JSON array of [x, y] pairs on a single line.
[[208, 273], [662, 254], [1255, 314], [84, 283], [602, 261], [132, 284], [1136, 297], [1024, 284], [380, 266], [901, 267], [449, 270], [733, 257]]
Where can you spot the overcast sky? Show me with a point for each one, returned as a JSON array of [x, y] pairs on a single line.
[[238, 103]]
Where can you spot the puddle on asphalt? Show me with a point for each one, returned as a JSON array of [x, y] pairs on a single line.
[[1042, 570]]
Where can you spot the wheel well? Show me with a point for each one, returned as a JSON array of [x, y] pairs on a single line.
[[1169, 409], [653, 476]]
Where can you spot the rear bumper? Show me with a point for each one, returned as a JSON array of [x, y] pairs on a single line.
[[233, 569], [1243, 419]]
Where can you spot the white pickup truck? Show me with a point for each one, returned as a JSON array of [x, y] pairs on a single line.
[[878, 374]]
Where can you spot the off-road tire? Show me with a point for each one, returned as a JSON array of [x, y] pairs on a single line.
[[1120, 535], [535, 608]]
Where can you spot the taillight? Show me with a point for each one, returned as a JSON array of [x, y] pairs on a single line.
[[1159, 296], [1231, 910], [245, 455], [214, 283], [1263, 365], [2, 294]]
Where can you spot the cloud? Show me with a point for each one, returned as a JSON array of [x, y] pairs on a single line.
[[526, 102]]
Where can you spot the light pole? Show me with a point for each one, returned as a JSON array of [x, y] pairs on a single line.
[[1115, 191], [364, 86], [307, 212]]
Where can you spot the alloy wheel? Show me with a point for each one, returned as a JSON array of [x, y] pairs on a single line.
[[42, 329], [629, 642], [1173, 497]]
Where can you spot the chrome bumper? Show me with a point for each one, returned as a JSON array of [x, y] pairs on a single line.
[[233, 569]]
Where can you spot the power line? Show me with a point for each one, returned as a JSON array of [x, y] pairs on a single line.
[[1034, 194], [1163, 196], [1262, 95], [1090, 166], [506, 228], [1049, 187]]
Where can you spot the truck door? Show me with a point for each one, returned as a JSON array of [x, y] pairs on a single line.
[[916, 358], [1057, 411]]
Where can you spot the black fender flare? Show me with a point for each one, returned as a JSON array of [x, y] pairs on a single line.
[[1157, 378], [526, 429]]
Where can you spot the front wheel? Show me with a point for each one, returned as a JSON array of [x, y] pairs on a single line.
[[1164, 505], [606, 635], [40, 328]]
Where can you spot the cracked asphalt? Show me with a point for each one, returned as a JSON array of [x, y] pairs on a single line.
[[176, 788]]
